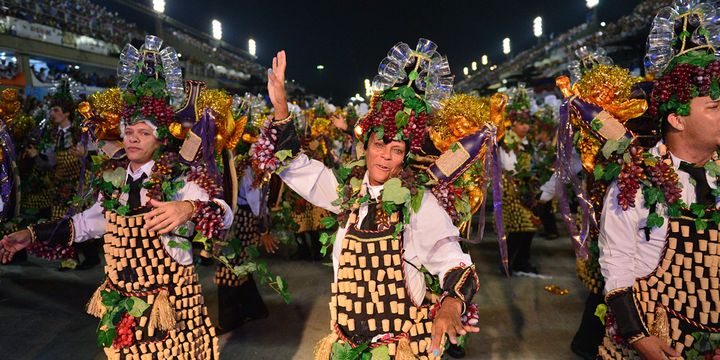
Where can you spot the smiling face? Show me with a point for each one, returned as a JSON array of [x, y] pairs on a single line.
[[383, 160], [140, 143]]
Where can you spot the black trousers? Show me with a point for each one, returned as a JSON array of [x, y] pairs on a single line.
[[519, 244], [236, 304], [590, 334], [546, 215], [89, 250]]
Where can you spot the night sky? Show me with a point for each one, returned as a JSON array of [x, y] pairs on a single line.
[[351, 37]]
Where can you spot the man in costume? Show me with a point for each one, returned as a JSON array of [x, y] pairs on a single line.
[[9, 178], [52, 159], [544, 136], [379, 302], [519, 182], [67, 154], [150, 203], [658, 232], [597, 81], [238, 296]]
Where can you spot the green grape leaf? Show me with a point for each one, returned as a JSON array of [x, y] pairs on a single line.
[[283, 154], [612, 170], [609, 148], [355, 184], [110, 298], [379, 132], [697, 209], [716, 217], [342, 173], [123, 210], [598, 171], [115, 177], [684, 109], [714, 89], [655, 221], [136, 306], [106, 337], [712, 168], [401, 119], [328, 221], [394, 192], [416, 200], [600, 312]]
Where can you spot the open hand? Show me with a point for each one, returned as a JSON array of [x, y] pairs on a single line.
[[276, 86], [447, 321], [166, 216], [77, 151], [339, 121], [269, 243], [652, 348], [12, 243]]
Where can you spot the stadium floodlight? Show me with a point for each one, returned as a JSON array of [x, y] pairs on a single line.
[[592, 3], [484, 60], [473, 66], [252, 47], [506, 46], [466, 71], [217, 29], [320, 67], [159, 6], [537, 27]]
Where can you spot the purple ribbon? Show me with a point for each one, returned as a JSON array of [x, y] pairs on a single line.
[[489, 134], [493, 167], [207, 135], [567, 175], [6, 171]]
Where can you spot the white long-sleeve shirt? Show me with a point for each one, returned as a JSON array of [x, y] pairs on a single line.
[[549, 188], [247, 194], [625, 254], [90, 223], [508, 158], [430, 238]]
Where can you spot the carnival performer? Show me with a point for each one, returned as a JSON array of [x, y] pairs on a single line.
[[379, 302], [519, 182], [238, 296], [9, 177], [52, 158], [594, 79], [658, 232], [544, 136], [150, 203]]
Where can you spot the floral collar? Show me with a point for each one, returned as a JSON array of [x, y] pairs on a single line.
[[654, 173], [397, 195]]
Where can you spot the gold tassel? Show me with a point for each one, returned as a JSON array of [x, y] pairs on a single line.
[[661, 326], [94, 306], [403, 351], [323, 349], [162, 315]]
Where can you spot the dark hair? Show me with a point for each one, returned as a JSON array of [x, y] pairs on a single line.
[[664, 124], [63, 103]]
